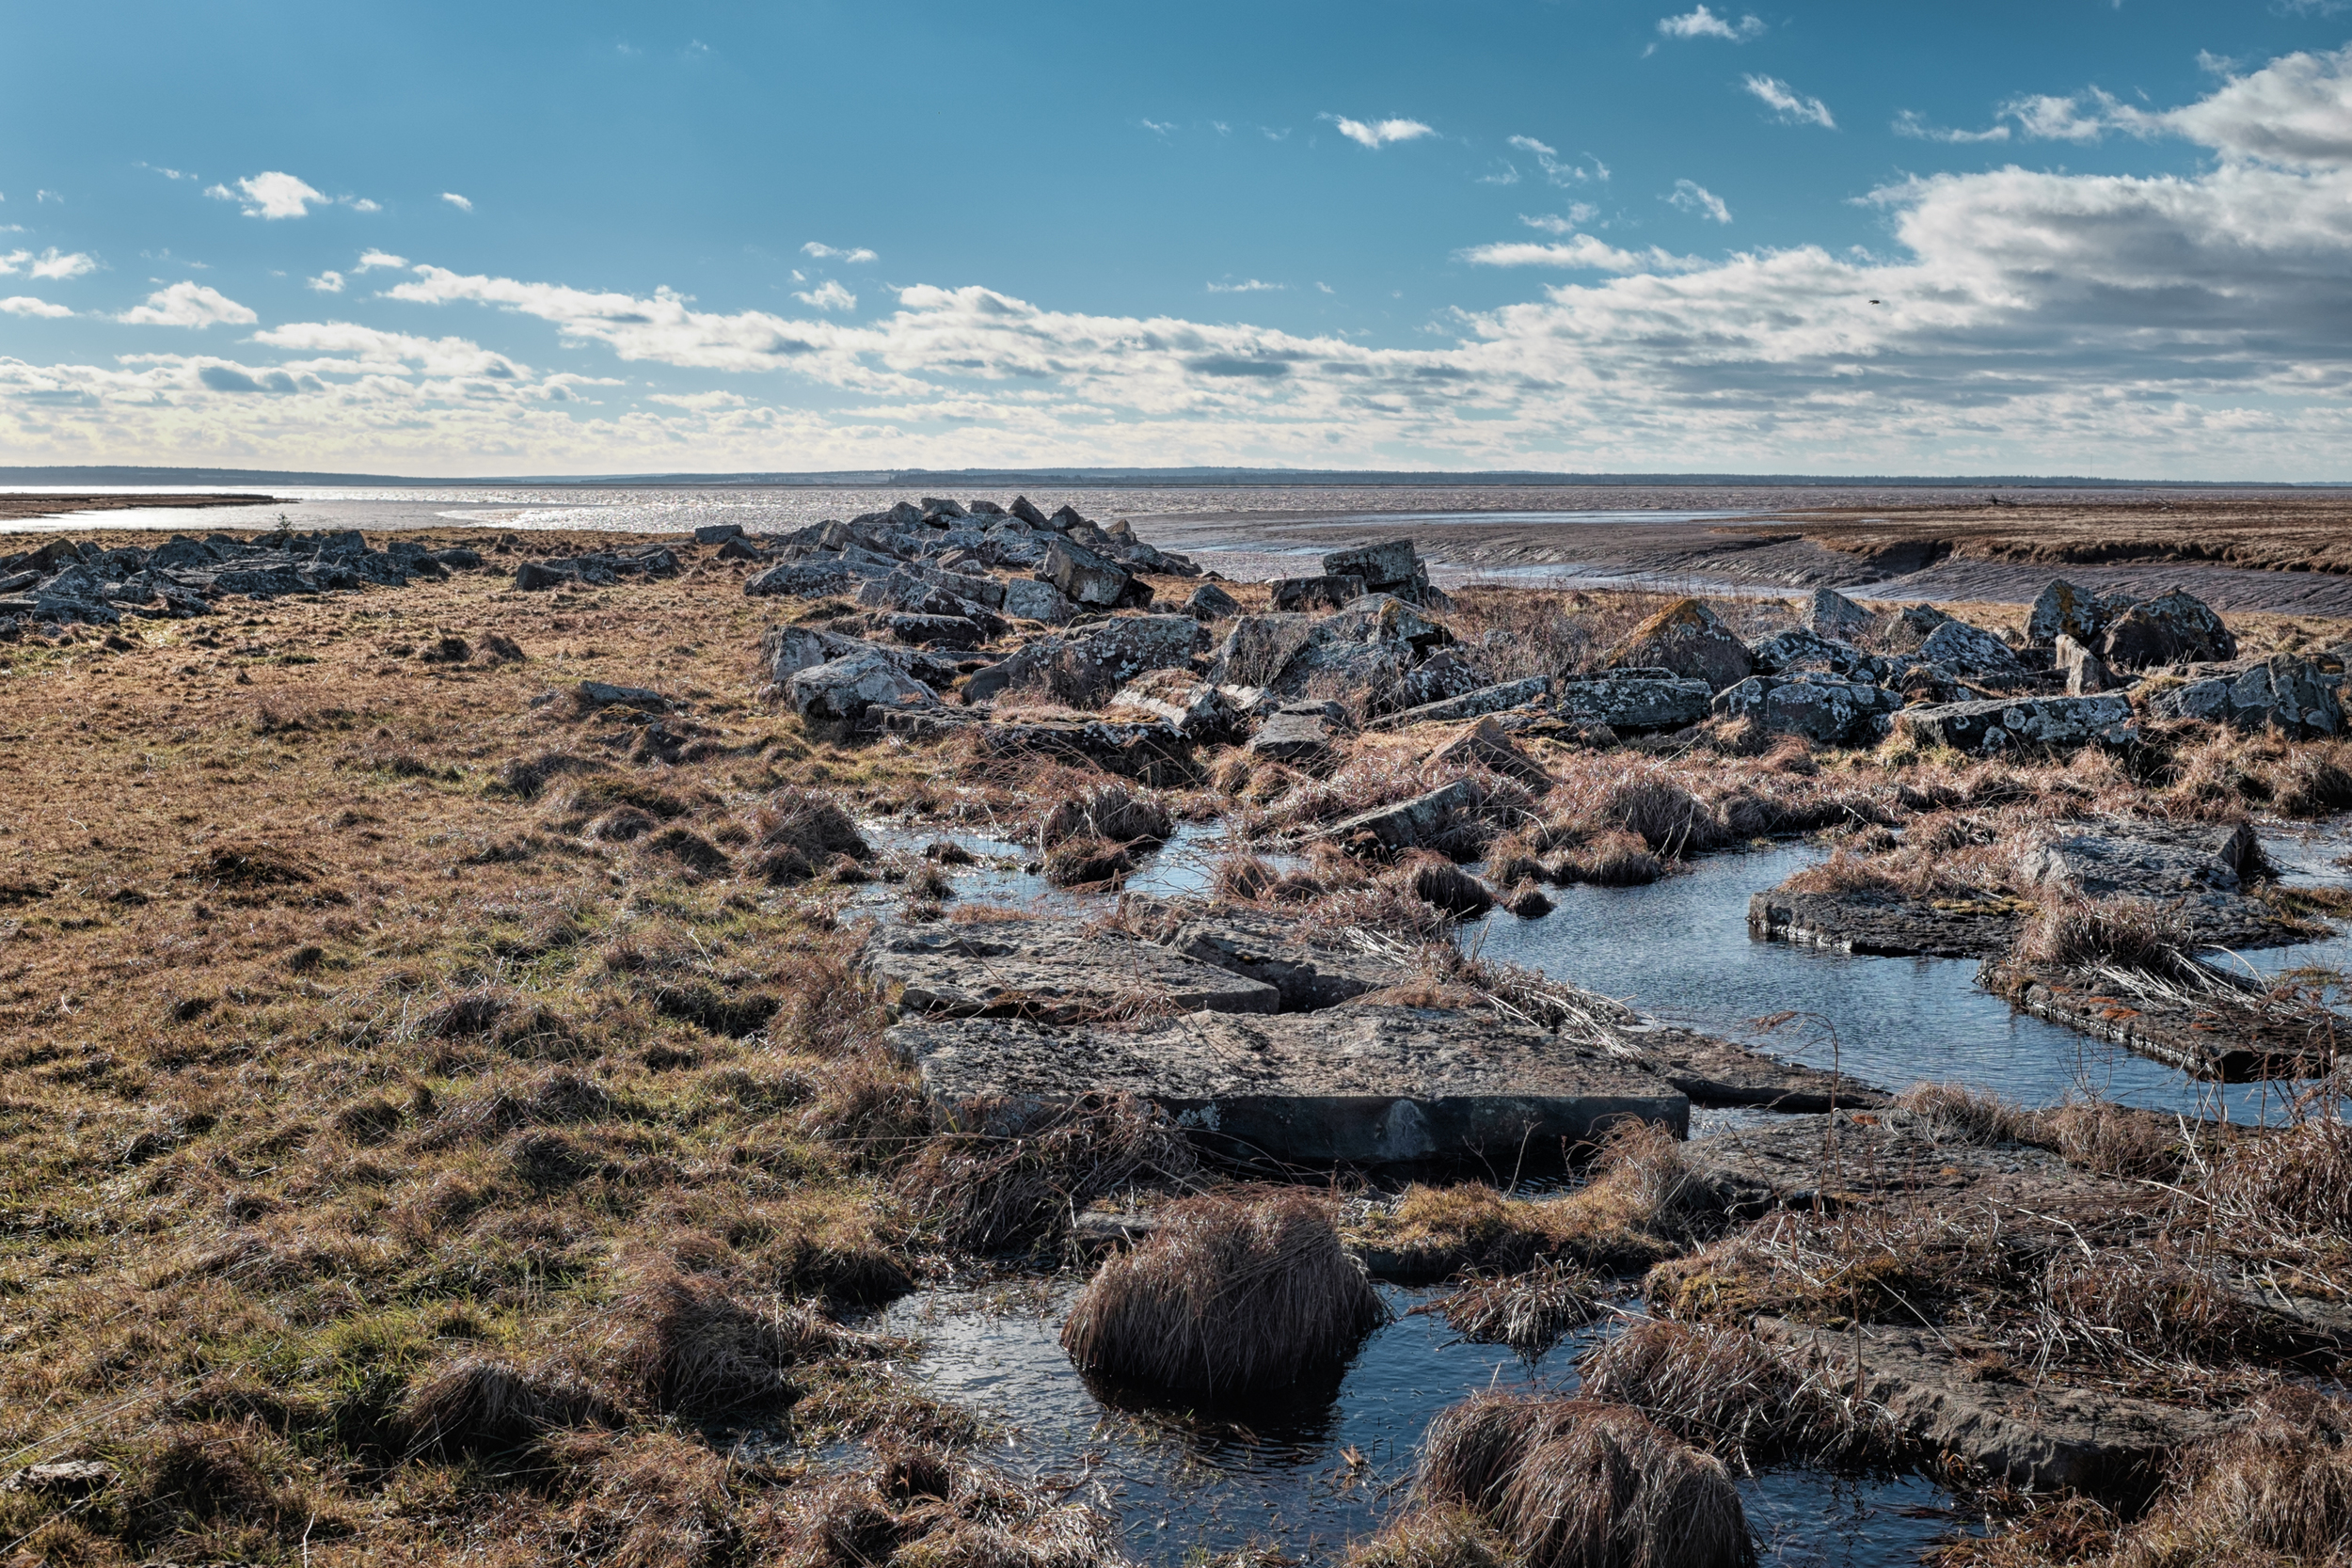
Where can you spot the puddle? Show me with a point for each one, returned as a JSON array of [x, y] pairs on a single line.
[[1681, 949], [1183, 1487]]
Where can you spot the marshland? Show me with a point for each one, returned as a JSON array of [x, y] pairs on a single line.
[[952, 1036]]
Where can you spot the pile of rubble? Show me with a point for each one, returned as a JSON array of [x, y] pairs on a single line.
[[63, 581], [597, 568]]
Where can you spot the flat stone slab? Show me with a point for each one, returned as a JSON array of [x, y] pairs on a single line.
[[1886, 924], [1056, 970], [1471, 705], [2210, 1024], [1716, 1073], [1629, 700], [1996, 724], [1363, 1084], [2196, 872], [1261, 947], [2043, 1438]]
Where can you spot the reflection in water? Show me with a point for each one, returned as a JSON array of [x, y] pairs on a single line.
[[1681, 949], [1183, 1483]]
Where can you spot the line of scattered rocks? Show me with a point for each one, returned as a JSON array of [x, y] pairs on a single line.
[[64, 581]]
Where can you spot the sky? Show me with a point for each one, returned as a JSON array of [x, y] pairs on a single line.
[[2100, 237]]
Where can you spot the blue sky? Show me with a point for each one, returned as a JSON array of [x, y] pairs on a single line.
[[2071, 236]]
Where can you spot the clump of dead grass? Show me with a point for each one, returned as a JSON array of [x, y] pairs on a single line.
[[1530, 1311], [923, 1508], [1227, 1296], [2128, 932], [1727, 1391], [1576, 1484], [798, 833], [985, 1192]]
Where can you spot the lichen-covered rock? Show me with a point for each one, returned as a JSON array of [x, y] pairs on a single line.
[[1969, 651], [1302, 736], [1413, 824], [1908, 627], [1057, 970], [839, 692], [1381, 566], [1211, 603], [1181, 698], [1028, 599], [1260, 647], [1088, 668], [1438, 680], [1634, 704], [2282, 692], [1473, 704], [1304, 594], [1691, 641], [1798, 648], [2063, 609], [1983, 728], [2085, 672], [937, 631], [2173, 628], [1084, 577], [1150, 750], [1837, 617], [1819, 706], [807, 580]]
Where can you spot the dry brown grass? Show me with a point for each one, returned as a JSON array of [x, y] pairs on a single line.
[[1226, 1297], [1572, 1483], [1530, 1311], [1731, 1394]]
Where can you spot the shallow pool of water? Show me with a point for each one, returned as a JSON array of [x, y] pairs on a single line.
[[1310, 1477], [1681, 949]]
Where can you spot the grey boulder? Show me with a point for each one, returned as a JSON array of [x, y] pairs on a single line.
[[1821, 707], [1983, 728], [1084, 577], [840, 692], [2281, 692], [1638, 703]]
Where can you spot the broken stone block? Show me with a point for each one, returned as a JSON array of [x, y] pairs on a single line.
[[1150, 750], [1381, 566], [1471, 705], [1786, 652], [937, 631], [1260, 648], [1411, 824], [2085, 672], [1691, 641], [840, 692], [1088, 668], [595, 694], [1084, 577], [1490, 747], [1052, 970], [1363, 1083], [1211, 603], [1181, 698], [1028, 599], [1301, 739], [1835, 617], [1292, 595], [2282, 692], [1969, 651], [2063, 609], [1983, 728], [1821, 707], [2173, 628], [1631, 705], [1308, 976]]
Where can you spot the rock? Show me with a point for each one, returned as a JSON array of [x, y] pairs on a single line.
[[1084, 577], [839, 692], [2284, 692], [2211, 1023], [595, 694], [1834, 616], [457, 557], [1260, 648], [1308, 976], [1716, 1073], [1786, 652], [1490, 747], [1473, 705], [937, 631], [1051, 969], [62, 1477], [1027, 511], [1361, 1084], [2174, 628], [1440, 678], [1027, 599], [1301, 739], [786, 651], [1970, 650], [1088, 669], [941, 506], [1300, 594], [2144, 859], [533, 577], [1821, 707], [1886, 924], [1180, 698], [1411, 824], [1211, 603], [1383, 618], [1383, 568], [1067, 518], [2085, 672], [2062, 609], [808, 579], [1983, 728], [1150, 750], [1691, 641], [1908, 627], [718, 533], [1632, 704]]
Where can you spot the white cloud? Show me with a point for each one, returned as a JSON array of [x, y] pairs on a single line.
[[1912, 123], [167, 173], [371, 259], [2049, 119], [2297, 111], [367, 348], [827, 253], [48, 196], [458, 201], [1159, 128], [1248, 286], [271, 194], [26, 304], [1560, 223], [1703, 23], [1791, 106], [188, 305], [361, 204], [2178, 326], [1378, 133], [1582, 172], [327, 282], [49, 263], [1693, 198], [828, 295], [700, 402]]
